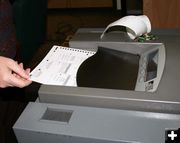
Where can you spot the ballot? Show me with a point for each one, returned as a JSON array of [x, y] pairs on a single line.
[[60, 66]]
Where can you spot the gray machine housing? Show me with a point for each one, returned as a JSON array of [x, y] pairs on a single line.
[[86, 115], [52, 123], [164, 99]]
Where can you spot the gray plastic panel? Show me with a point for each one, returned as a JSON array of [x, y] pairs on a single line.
[[165, 99], [97, 125]]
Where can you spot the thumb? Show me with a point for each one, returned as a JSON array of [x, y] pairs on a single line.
[[17, 69]]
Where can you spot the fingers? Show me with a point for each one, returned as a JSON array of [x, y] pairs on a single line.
[[18, 81], [13, 74], [21, 65], [10, 80], [28, 71], [18, 69]]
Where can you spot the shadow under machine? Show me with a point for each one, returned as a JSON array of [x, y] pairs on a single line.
[[127, 92]]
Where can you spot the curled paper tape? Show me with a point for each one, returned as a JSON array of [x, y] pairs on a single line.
[[135, 25]]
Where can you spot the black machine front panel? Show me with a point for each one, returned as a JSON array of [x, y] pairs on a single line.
[[109, 68]]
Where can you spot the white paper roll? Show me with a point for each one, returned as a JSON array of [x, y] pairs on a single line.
[[135, 25]]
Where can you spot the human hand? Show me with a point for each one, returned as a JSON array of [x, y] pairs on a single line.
[[13, 74]]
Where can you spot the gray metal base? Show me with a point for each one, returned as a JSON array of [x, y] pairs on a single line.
[[77, 124]]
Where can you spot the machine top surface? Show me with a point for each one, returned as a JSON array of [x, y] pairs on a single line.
[[164, 99]]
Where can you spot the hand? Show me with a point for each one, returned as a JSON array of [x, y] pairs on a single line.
[[13, 74]]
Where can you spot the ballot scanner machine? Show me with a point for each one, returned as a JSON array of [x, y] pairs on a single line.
[[143, 114]]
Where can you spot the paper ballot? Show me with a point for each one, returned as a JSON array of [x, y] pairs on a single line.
[[60, 66]]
